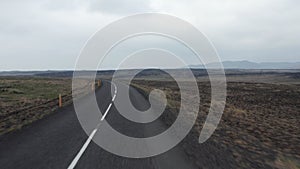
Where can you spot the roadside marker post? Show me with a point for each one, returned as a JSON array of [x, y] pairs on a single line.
[[59, 100], [93, 86]]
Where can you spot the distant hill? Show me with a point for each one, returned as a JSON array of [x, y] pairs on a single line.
[[37, 73], [236, 66], [21, 73], [252, 65]]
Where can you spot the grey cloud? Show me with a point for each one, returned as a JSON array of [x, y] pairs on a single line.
[[37, 34], [120, 6]]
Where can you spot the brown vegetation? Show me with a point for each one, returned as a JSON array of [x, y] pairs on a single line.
[[260, 124], [24, 100]]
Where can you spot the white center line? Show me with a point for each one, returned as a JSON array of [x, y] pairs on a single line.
[[76, 159], [107, 110], [114, 97]]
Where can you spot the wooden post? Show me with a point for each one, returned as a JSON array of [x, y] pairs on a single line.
[[93, 86], [99, 83], [59, 101]]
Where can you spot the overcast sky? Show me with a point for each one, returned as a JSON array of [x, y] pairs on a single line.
[[48, 34]]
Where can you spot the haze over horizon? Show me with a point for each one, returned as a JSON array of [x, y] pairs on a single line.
[[48, 35], [244, 64]]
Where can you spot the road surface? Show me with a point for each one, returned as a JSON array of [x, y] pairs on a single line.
[[56, 140]]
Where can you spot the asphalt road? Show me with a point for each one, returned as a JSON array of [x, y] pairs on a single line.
[[54, 141]]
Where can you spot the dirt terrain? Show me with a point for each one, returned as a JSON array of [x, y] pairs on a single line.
[[260, 124]]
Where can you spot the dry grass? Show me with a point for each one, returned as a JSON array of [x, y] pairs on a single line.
[[24, 100], [260, 124]]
